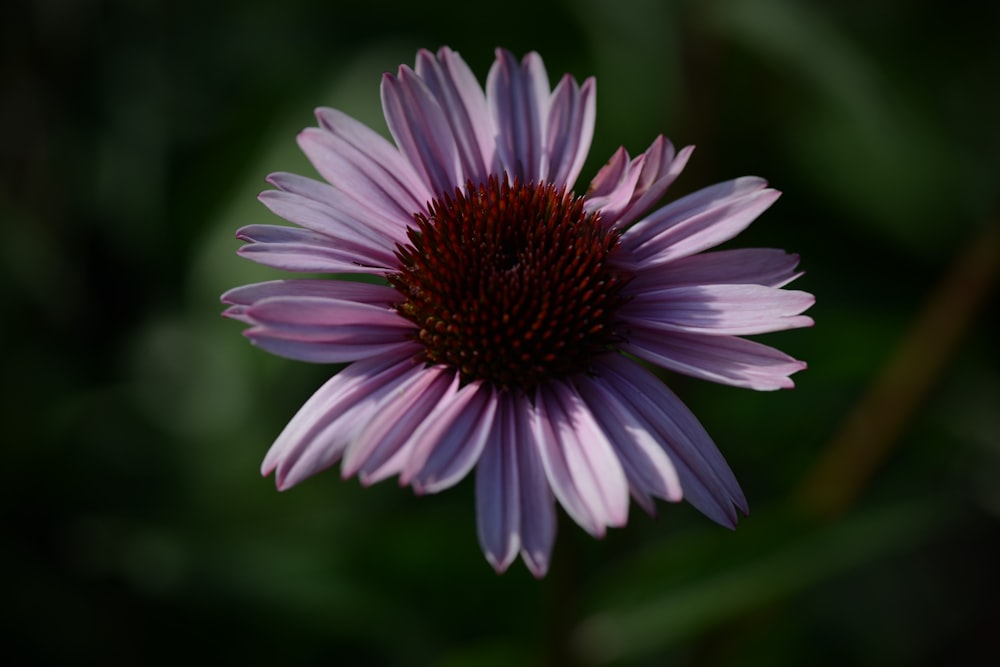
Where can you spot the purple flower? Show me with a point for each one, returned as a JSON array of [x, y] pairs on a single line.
[[509, 319]]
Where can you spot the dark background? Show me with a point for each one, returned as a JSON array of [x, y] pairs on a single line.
[[136, 527]]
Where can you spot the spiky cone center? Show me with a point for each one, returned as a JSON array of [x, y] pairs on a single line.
[[510, 283]]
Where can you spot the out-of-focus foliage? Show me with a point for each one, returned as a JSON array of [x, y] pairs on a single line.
[[136, 527]]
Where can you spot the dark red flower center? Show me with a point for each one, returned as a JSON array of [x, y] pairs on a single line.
[[510, 283]]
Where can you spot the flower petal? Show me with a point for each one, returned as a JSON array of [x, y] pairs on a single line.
[[449, 442], [383, 447], [538, 508], [351, 348], [649, 470], [614, 184], [332, 289], [624, 190], [662, 165], [316, 436], [741, 266], [421, 130], [515, 508], [570, 129], [698, 221], [498, 493], [463, 102], [330, 211], [518, 96], [376, 154], [304, 251], [322, 318], [719, 309], [359, 175], [578, 459], [556, 468], [706, 480], [725, 359], [324, 321]]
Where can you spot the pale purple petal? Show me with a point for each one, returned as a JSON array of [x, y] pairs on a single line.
[[332, 289], [316, 436], [383, 447], [342, 321], [456, 89], [322, 318], [327, 210], [359, 175], [243, 299], [515, 508], [649, 470], [303, 251], [740, 266], [538, 509], [450, 440], [660, 169], [624, 190], [498, 492], [579, 461], [349, 348], [698, 221], [421, 130], [392, 165], [570, 129], [706, 480], [518, 95], [556, 468], [614, 184], [725, 359], [739, 310]]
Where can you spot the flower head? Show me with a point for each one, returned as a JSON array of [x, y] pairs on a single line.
[[504, 332]]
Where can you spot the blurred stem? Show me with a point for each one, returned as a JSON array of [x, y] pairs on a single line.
[[563, 604], [868, 434]]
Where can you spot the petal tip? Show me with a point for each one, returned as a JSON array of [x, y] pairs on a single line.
[[500, 565], [537, 563]]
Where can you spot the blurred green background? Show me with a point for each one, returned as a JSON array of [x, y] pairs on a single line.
[[137, 529]]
